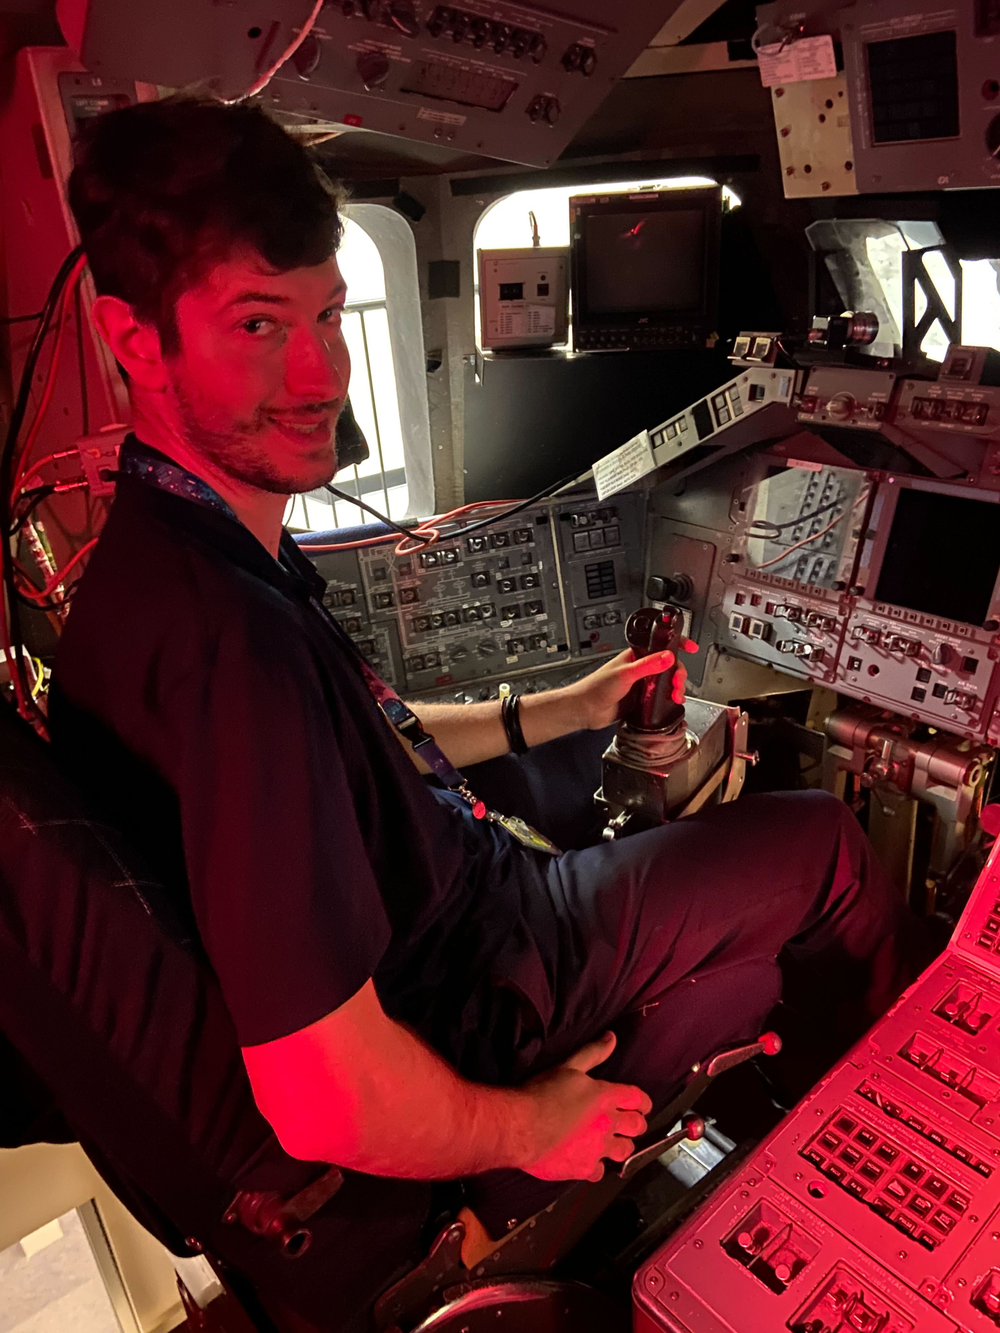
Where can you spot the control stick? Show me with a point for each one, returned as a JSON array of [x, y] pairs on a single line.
[[650, 704]]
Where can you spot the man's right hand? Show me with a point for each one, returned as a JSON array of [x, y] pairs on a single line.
[[578, 1121]]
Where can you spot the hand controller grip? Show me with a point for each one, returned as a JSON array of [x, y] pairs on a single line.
[[649, 705]]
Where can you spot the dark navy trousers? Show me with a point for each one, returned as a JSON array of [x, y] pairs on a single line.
[[672, 937]]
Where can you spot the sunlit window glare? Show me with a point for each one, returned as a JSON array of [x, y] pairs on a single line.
[[381, 479]]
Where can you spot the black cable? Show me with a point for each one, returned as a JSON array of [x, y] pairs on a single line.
[[511, 510], [459, 532], [396, 527], [24, 511], [775, 528], [8, 456], [20, 319]]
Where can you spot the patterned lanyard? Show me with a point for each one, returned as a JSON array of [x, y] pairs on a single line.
[[168, 476]]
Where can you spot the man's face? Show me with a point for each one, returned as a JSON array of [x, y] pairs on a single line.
[[262, 371]]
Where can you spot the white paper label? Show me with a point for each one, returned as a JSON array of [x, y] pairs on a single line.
[[524, 321], [440, 117], [798, 61], [540, 320], [625, 466]]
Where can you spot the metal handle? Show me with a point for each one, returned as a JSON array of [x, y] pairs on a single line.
[[692, 1129]]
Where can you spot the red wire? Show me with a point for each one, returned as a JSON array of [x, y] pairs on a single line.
[[40, 594], [44, 462], [425, 529]]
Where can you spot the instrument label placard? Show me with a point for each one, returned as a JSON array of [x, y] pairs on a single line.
[[624, 466]]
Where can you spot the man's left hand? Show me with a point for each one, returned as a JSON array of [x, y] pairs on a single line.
[[599, 696]]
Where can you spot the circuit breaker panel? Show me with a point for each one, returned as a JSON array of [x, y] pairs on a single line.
[[531, 598], [875, 1205]]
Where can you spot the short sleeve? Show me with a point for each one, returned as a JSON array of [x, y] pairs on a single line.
[[284, 894]]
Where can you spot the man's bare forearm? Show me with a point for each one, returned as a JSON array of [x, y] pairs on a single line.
[[472, 733], [364, 1092]]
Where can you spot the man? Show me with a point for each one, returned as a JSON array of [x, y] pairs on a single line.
[[416, 994]]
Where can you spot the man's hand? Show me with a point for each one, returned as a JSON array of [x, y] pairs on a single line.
[[578, 1121], [599, 696]]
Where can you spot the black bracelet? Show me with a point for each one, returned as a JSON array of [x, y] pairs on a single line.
[[510, 717]]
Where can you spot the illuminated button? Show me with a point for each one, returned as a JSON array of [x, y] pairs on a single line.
[[736, 622], [682, 425], [671, 431], [724, 417], [612, 536]]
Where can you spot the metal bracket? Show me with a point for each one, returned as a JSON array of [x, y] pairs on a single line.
[[412, 1294], [692, 1129], [914, 275], [268, 1214]]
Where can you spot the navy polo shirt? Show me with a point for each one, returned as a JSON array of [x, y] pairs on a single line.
[[202, 698]]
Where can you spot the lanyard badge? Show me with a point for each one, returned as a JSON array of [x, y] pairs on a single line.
[[405, 721]]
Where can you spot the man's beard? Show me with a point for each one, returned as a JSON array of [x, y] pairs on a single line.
[[234, 447]]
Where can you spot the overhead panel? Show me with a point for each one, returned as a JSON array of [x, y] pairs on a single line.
[[512, 81], [914, 104]]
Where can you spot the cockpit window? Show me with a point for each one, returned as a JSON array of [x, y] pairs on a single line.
[[375, 264]]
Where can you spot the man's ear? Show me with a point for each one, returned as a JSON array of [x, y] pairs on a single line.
[[135, 344]]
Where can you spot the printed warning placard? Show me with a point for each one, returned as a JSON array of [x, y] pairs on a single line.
[[623, 467], [798, 61]]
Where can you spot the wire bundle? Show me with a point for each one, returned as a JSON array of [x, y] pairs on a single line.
[[18, 502]]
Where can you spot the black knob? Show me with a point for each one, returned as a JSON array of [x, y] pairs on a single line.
[[588, 61], [553, 110], [439, 20], [676, 588], [572, 57], [307, 57], [373, 67], [538, 48], [502, 34], [649, 705], [522, 40]]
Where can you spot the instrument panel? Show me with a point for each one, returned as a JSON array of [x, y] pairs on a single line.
[[501, 78], [543, 592], [873, 1205], [881, 584]]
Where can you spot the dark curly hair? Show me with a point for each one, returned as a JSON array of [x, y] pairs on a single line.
[[163, 190]]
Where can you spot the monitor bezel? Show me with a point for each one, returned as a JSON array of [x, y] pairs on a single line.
[[704, 316], [873, 550]]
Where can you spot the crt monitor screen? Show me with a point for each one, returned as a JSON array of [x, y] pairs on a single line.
[[942, 556], [645, 262]]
